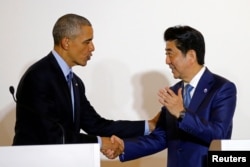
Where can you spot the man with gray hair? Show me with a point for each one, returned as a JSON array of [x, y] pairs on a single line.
[[52, 106]]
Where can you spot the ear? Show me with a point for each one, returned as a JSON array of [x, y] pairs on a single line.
[[65, 43], [191, 54]]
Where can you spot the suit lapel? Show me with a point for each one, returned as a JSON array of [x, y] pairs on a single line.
[[63, 83], [202, 89]]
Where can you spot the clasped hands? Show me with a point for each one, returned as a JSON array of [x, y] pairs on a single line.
[[173, 102], [112, 147]]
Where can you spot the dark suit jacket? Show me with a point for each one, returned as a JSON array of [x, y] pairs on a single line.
[[44, 110], [208, 117]]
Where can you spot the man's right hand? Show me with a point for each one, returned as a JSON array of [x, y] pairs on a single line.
[[112, 147], [152, 122]]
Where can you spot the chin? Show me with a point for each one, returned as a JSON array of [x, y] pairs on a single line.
[[176, 76], [81, 64]]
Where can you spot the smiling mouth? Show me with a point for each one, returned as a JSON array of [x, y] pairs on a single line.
[[171, 67]]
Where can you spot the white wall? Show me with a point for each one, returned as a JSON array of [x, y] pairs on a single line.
[[128, 66]]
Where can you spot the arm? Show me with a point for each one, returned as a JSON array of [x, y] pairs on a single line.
[[144, 145], [214, 119], [130, 149], [93, 123], [209, 115]]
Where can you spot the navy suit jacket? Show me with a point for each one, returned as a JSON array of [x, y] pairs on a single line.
[[44, 110], [209, 116]]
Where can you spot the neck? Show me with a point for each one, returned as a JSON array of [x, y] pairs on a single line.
[[192, 73], [63, 53]]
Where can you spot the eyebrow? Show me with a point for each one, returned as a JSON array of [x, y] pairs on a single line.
[[88, 40], [168, 50]]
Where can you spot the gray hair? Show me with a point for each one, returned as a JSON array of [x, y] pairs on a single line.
[[69, 26]]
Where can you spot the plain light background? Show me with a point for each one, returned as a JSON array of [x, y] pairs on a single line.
[[128, 66]]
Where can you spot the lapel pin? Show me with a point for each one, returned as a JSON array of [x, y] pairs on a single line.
[[205, 90]]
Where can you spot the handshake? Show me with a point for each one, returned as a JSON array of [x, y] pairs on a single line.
[[112, 147]]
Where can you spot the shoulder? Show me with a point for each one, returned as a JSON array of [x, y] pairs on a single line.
[[42, 70], [220, 82]]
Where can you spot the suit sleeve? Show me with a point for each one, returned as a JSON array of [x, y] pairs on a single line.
[[94, 124], [144, 145], [148, 144]]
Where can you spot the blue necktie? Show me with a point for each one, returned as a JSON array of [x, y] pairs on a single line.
[[69, 80], [187, 96]]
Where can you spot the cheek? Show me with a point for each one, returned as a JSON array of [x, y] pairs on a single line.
[[84, 49], [178, 62]]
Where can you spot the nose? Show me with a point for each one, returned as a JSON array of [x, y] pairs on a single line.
[[91, 46], [167, 61]]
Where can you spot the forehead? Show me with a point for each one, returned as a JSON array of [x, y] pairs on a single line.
[[170, 46], [87, 32]]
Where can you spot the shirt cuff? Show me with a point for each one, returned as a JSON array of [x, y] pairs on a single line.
[[99, 141], [147, 131]]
